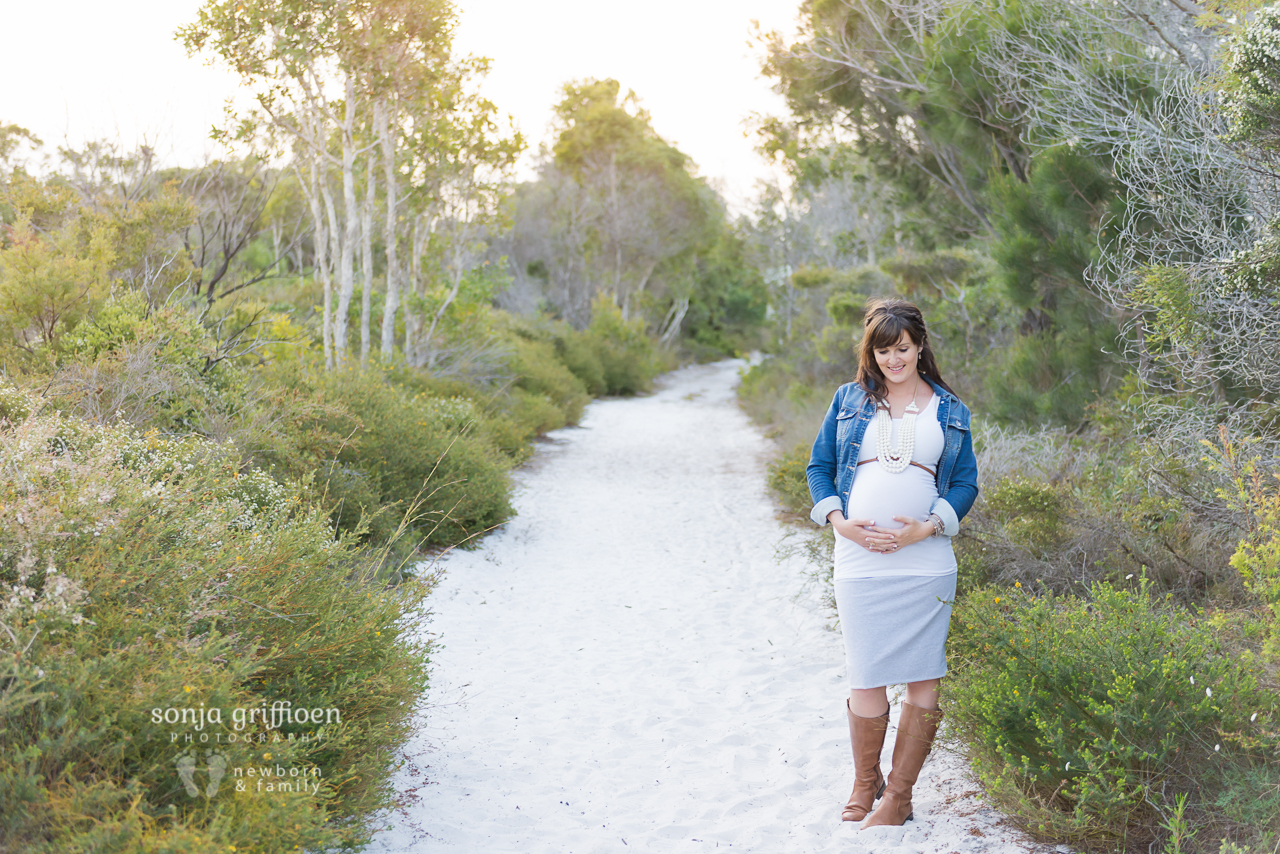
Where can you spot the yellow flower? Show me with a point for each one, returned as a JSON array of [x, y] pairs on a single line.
[[997, 600], [1017, 584], [187, 688], [266, 756]]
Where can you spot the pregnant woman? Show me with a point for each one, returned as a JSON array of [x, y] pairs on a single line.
[[893, 471]]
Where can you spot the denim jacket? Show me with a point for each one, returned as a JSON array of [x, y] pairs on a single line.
[[836, 450]]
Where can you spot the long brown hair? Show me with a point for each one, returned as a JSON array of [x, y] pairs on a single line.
[[882, 326]]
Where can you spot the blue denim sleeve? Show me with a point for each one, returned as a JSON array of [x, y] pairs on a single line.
[[821, 471], [964, 480]]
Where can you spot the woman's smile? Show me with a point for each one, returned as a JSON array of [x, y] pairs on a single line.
[[898, 363]]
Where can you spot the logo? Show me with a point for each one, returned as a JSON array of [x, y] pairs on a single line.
[[188, 766], [266, 778]]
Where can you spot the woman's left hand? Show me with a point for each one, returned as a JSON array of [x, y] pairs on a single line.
[[912, 531]]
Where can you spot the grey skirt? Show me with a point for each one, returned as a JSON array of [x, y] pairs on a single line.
[[895, 628]]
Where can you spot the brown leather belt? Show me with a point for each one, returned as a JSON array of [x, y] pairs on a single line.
[[931, 472]]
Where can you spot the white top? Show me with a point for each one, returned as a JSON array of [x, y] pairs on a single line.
[[879, 496]]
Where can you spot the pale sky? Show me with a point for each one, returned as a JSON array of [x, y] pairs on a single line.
[[80, 70]]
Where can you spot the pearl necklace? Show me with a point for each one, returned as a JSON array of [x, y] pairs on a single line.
[[896, 459]]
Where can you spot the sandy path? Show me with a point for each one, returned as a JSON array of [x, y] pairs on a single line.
[[624, 663]]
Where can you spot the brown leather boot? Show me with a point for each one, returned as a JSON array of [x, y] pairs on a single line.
[[867, 735], [916, 729]]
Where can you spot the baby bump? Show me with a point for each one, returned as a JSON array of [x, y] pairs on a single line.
[[879, 495]]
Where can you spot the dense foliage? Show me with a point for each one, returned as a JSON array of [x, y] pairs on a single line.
[[1094, 717], [618, 211], [1080, 198], [146, 573], [240, 397], [243, 403]]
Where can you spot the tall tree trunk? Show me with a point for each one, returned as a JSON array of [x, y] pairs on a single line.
[[322, 258], [674, 318], [311, 121], [346, 266], [412, 320], [615, 225], [393, 265], [276, 228], [644, 280], [335, 248], [366, 259]]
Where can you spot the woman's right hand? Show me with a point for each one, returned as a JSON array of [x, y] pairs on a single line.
[[859, 530]]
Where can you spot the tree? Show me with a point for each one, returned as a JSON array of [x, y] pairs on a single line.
[[983, 116], [64, 254], [615, 210], [230, 199], [12, 139], [348, 88]]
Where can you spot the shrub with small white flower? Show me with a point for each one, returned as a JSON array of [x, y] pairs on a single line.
[[139, 572], [1251, 96], [452, 413], [166, 462], [15, 404]]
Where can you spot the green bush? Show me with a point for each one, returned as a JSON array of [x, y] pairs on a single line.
[[1086, 718], [787, 400], [15, 405], [373, 450], [495, 418], [1257, 557], [558, 369], [535, 413], [540, 371], [142, 575], [578, 353], [788, 482], [627, 356], [1032, 512], [150, 368], [708, 345], [420, 454], [1064, 511]]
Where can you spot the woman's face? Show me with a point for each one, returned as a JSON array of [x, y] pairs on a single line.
[[898, 363]]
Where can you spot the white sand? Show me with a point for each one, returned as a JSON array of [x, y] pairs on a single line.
[[626, 663]]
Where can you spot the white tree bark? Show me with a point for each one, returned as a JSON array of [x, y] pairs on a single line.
[[366, 258], [412, 320], [674, 318], [335, 249], [346, 264], [322, 258], [390, 233]]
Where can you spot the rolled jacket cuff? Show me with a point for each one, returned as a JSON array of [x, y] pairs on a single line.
[[947, 513], [825, 506]]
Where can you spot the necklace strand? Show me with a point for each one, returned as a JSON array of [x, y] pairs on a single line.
[[896, 459]]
